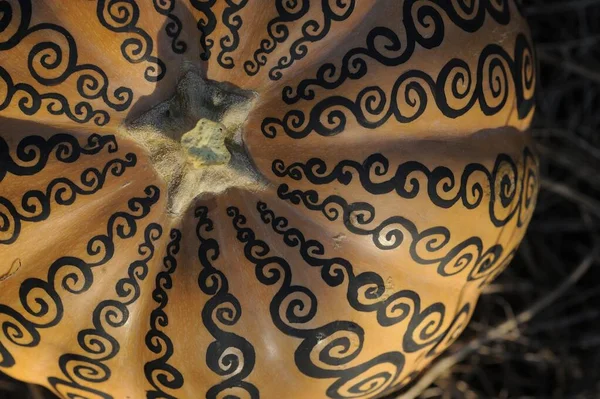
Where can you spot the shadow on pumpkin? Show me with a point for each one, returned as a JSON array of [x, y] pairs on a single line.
[[178, 43]]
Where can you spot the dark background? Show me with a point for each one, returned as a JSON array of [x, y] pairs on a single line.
[[554, 350]]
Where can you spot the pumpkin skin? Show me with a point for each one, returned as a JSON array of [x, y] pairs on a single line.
[[401, 179]]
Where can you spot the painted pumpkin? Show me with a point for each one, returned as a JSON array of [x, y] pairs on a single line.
[[254, 198]]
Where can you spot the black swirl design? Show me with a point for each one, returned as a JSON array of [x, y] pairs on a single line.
[[335, 344], [206, 25], [313, 31], [490, 88], [159, 373], [367, 290], [35, 205], [41, 300], [428, 247], [31, 102], [229, 355], [173, 27], [33, 152], [424, 26], [510, 189], [231, 41], [51, 63], [278, 32], [458, 324], [82, 371], [122, 16]]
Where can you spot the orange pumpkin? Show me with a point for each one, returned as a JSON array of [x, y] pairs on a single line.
[[254, 198]]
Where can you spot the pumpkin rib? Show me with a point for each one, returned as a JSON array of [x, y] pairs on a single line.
[[156, 340], [97, 342], [413, 37], [225, 308]]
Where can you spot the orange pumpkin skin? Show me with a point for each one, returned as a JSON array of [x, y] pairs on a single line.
[[399, 182]]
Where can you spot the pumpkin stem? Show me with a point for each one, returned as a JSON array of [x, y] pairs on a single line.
[[205, 144], [194, 140]]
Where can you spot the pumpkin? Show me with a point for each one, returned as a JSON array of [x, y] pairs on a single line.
[[246, 198]]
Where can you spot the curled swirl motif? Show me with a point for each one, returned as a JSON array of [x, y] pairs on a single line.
[[323, 350], [97, 342], [313, 31], [459, 323], [173, 27], [51, 63], [511, 184], [230, 42], [490, 88], [424, 26], [159, 373], [367, 290], [36, 204], [32, 154], [367, 293], [206, 25], [41, 300], [122, 16], [277, 31], [428, 247], [230, 356]]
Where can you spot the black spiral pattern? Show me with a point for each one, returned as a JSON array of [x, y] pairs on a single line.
[[231, 41], [82, 371], [424, 26], [40, 299], [509, 189], [294, 305], [277, 31], [489, 88], [174, 26], [36, 204], [367, 292], [207, 23], [313, 31], [51, 63], [32, 154], [230, 356], [427, 247], [158, 372], [122, 16]]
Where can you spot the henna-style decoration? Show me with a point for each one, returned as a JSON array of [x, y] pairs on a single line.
[[41, 300], [334, 344], [425, 27], [83, 371], [498, 74], [159, 372], [230, 42], [206, 25], [313, 31], [509, 188], [229, 355], [277, 31], [51, 63], [173, 27], [122, 16]]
